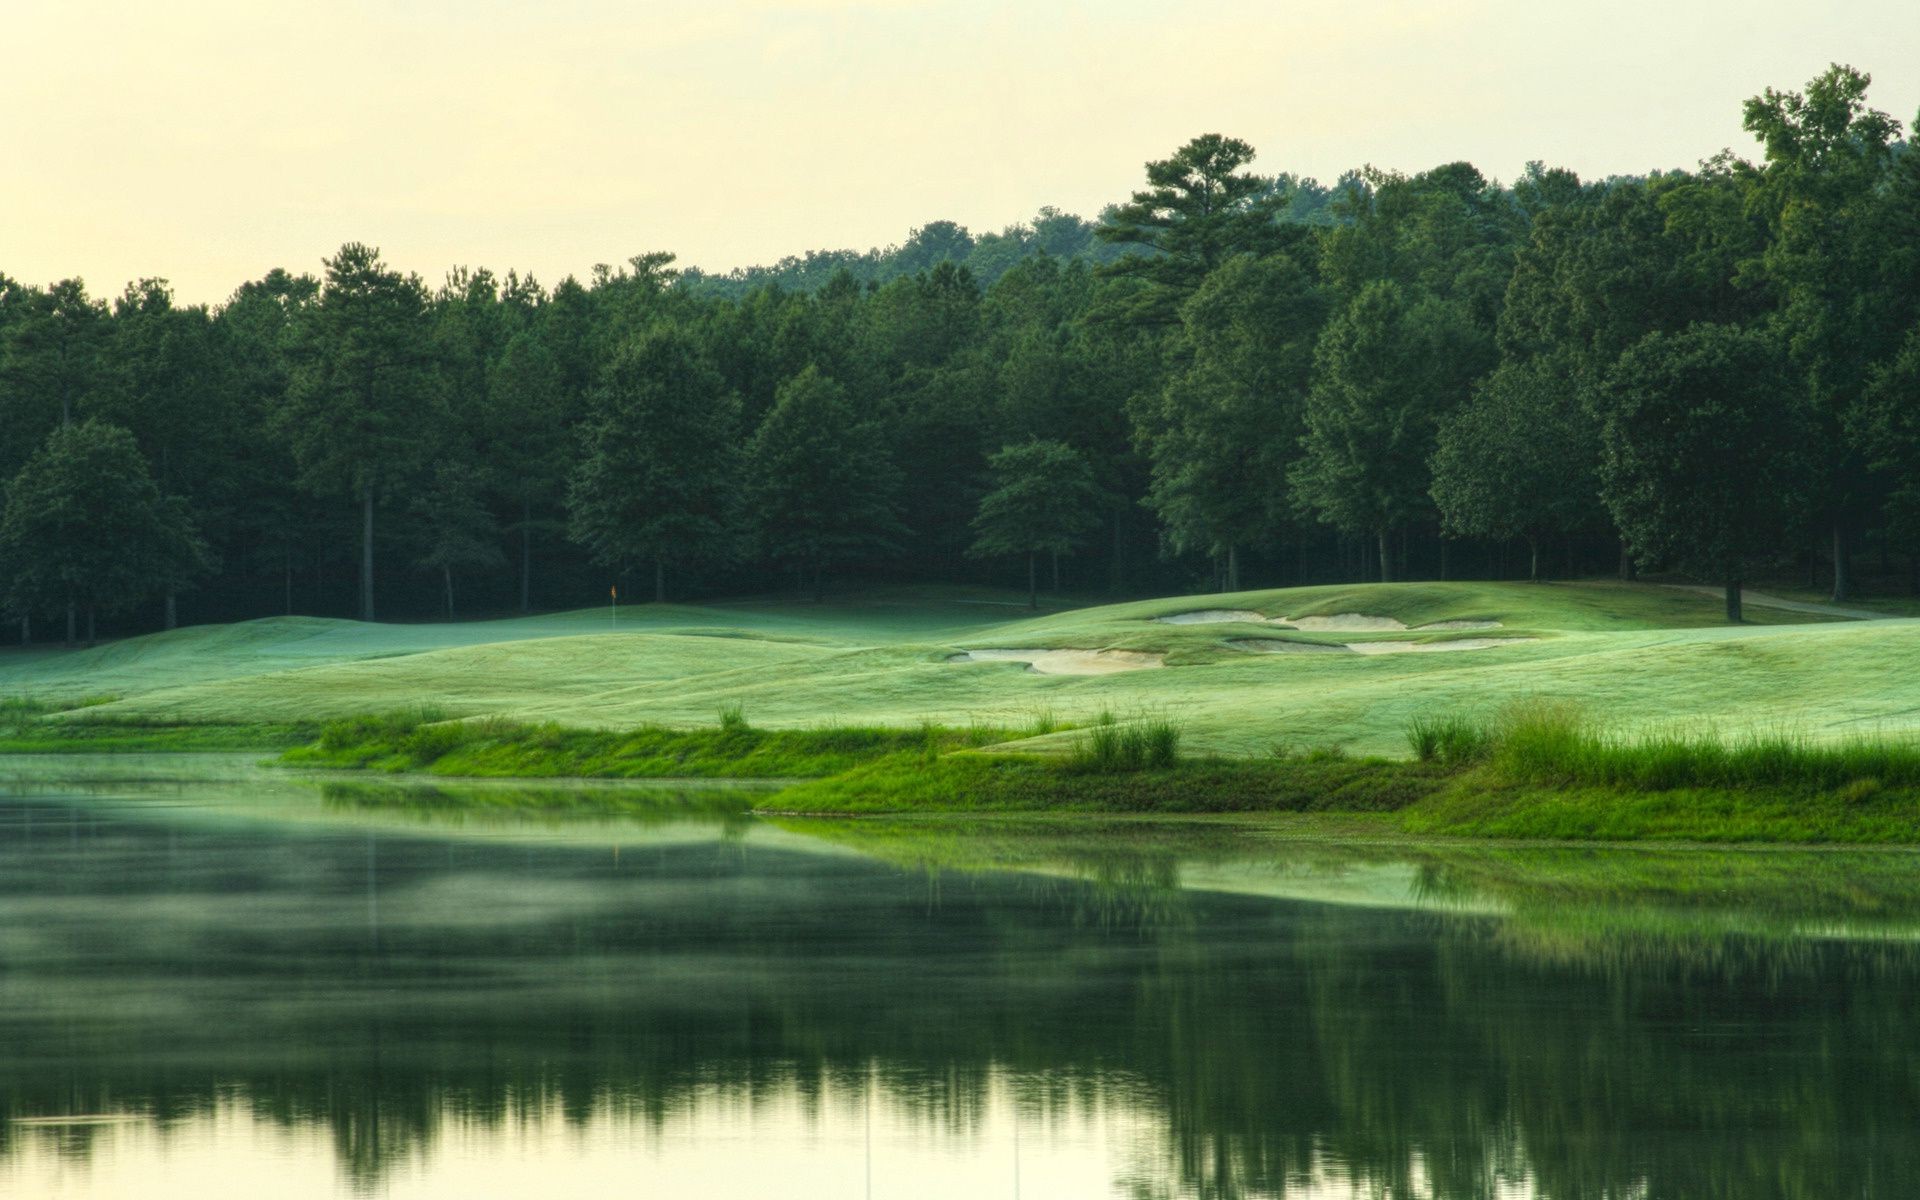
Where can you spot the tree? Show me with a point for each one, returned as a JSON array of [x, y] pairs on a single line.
[[456, 530], [1043, 500], [1704, 451], [1885, 425], [658, 481], [530, 426], [1222, 433], [51, 363], [86, 527], [1386, 371], [363, 389], [172, 382], [820, 481], [1199, 209], [1519, 459], [1827, 156]]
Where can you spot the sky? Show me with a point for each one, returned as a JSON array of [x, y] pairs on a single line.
[[209, 141]]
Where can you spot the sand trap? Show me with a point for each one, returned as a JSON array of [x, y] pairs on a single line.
[[1214, 616], [1069, 662], [1274, 646], [1452, 625], [1432, 647], [1345, 623]]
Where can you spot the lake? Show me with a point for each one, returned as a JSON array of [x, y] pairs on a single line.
[[218, 978]]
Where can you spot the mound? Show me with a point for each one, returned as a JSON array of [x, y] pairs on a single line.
[[1214, 616], [1069, 662]]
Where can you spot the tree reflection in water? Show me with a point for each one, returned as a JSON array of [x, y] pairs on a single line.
[[1579, 1024]]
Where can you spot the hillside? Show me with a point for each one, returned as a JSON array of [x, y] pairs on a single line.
[[1238, 680]]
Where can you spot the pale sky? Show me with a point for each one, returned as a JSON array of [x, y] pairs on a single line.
[[208, 141]]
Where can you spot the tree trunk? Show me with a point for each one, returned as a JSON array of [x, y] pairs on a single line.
[[26, 631], [1913, 575], [659, 581], [1116, 566], [1033, 588], [1056, 572], [1733, 602], [1842, 564], [1533, 560], [1233, 568], [1446, 557], [91, 639], [1626, 561], [70, 625], [819, 588], [1386, 556], [446, 574], [289, 581], [366, 554], [526, 556]]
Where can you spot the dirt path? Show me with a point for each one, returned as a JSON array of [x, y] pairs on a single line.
[[1761, 600]]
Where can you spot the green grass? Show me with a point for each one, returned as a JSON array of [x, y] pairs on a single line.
[[980, 783], [422, 739], [1110, 745], [1641, 656]]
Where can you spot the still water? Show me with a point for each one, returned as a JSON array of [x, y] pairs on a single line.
[[216, 980]]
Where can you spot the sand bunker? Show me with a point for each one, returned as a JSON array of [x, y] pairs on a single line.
[[1432, 647], [1214, 616], [1452, 625], [1069, 662], [1273, 646], [1345, 623]]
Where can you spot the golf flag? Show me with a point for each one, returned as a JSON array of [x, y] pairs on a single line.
[[614, 592]]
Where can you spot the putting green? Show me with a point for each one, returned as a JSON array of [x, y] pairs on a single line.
[[1634, 655]]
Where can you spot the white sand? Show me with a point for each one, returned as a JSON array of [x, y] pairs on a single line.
[[1275, 646], [1213, 616], [1432, 647], [1345, 623], [1069, 662]]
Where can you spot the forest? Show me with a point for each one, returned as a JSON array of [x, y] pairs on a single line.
[[1227, 380]]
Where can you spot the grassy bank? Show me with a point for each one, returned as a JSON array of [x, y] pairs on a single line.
[[1538, 772], [423, 740], [29, 726]]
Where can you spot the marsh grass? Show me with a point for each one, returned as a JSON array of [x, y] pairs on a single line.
[[1452, 739], [1146, 742], [1556, 744], [423, 739]]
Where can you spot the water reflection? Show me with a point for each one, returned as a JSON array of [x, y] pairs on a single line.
[[411, 994]]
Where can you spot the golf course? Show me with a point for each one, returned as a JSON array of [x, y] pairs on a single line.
[[1362, 698], [1634, 656]]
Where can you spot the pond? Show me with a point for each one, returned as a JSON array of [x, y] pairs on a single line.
[[216, 977]]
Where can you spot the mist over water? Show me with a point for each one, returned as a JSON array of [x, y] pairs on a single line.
[[291, 991]]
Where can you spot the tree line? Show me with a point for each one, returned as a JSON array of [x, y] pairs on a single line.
[[1228, 377]]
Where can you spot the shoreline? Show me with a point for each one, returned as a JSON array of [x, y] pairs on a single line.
[[937, 772]]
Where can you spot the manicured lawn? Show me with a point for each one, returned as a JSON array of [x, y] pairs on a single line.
[[1632, 656]]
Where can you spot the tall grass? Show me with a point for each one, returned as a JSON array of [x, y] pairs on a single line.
[[1556, 744], [1110, 745], [1452, 739]]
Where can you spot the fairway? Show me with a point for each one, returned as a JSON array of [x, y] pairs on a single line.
[[1635, 656]]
